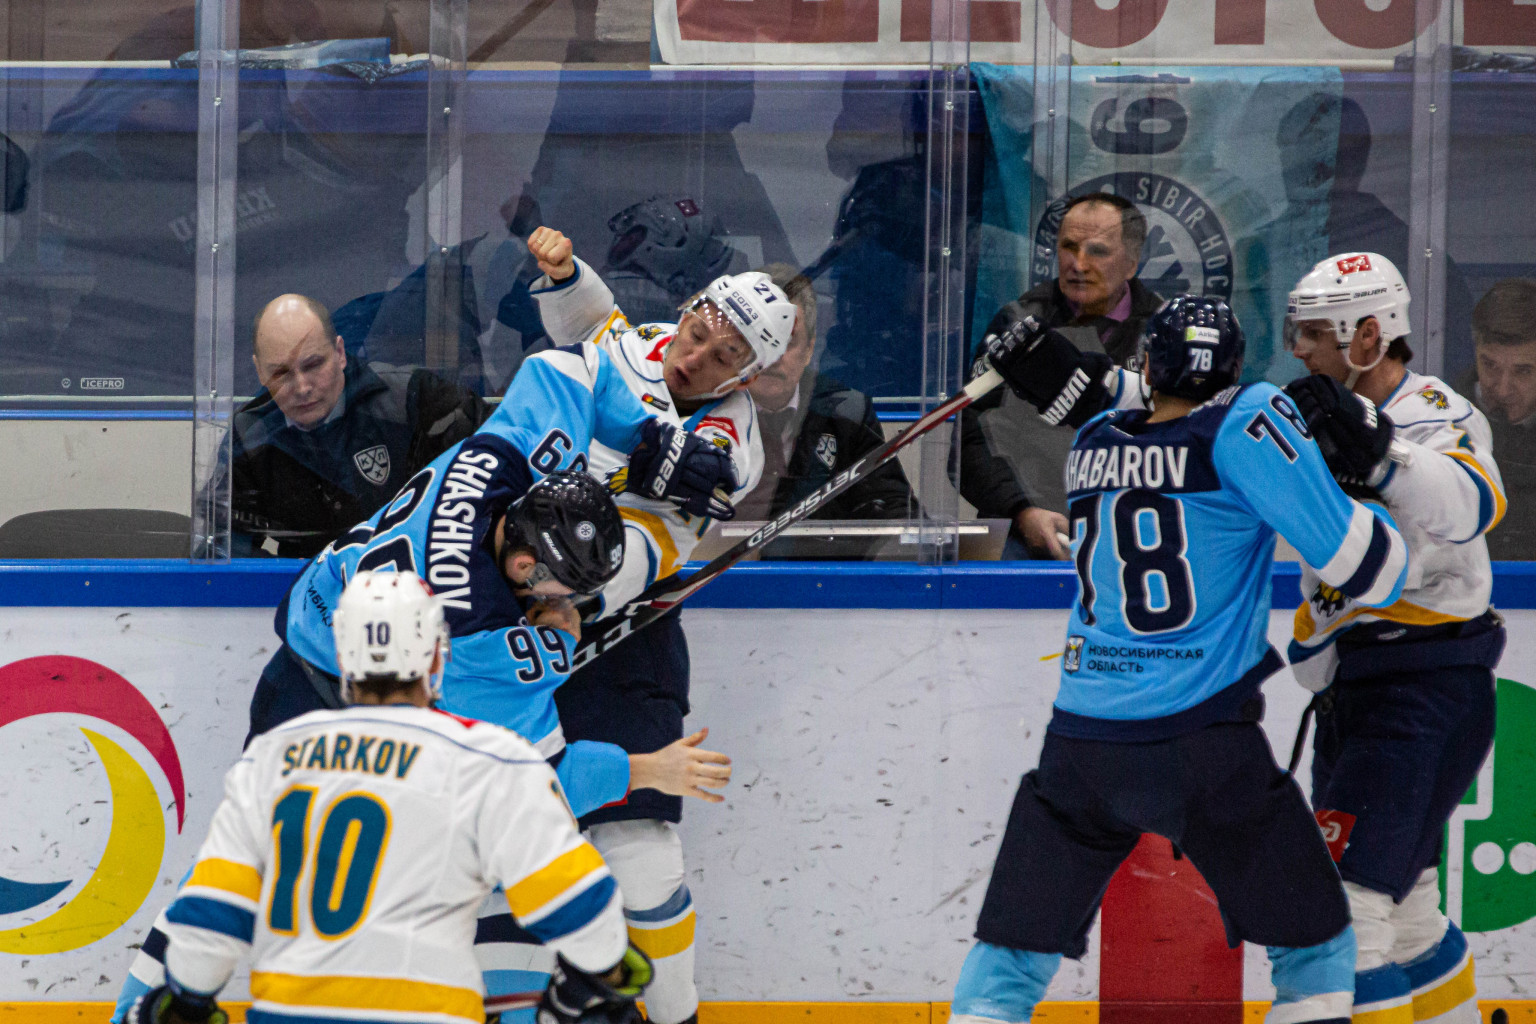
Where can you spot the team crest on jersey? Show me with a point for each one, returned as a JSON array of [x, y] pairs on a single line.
[[1328, 601], [650, 332], [373, 463], [1435, 397], [826, 450], [1072, 660]]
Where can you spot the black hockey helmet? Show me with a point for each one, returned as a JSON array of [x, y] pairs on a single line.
[[573, 527], [672, 241], [1192, 347]]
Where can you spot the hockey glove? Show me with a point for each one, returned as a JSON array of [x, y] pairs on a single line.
[[1047, 371], [677, 465], [1353, 437], [168, 1004], [576, 997]]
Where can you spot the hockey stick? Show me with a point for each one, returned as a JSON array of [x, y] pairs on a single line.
[[668, 594]]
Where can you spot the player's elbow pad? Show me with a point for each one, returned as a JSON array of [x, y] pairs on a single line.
[[1371, 564]]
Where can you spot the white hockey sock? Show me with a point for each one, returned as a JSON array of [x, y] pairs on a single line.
[[646, 858]]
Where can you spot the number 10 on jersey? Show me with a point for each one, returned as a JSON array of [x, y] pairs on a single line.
[[341, 869]]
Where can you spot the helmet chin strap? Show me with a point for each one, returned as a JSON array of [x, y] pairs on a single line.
[[1355, 369]]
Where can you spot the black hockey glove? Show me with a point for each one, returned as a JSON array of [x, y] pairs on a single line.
[[576, 997], [1353, 437], [677, 465], [170, 1005], [1047, 371]]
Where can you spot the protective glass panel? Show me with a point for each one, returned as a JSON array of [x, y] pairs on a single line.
[[1488, 85], [395, 174], [97, 267], [1241, 144]]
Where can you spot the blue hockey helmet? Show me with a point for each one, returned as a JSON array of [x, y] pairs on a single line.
[[1192, 347]]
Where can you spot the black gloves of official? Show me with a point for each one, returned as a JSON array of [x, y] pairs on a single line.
[[1047, 371], [1352, 435], [677, 465], [576, 997], [169, 1005]]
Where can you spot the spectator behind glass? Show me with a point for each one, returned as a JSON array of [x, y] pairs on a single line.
[[328, 440], [813, 427], [1503, 385], [1011, 460]]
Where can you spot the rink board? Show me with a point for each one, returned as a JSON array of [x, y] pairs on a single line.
[[876, 751]]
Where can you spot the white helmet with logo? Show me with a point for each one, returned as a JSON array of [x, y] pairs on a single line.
[[1347, 288], [388, 626], [760, 310]]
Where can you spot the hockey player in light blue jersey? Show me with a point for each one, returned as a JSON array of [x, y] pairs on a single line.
[[1174, 515], [499, 524]]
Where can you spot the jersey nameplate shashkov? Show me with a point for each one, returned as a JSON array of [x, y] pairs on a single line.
[[668, 594]]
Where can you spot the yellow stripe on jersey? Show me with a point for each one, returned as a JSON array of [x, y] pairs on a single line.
[[359, 993], [1499, 504], [653, 524], [669, 941], [1448, 995], [216, 873], [1403, 611], [553, 880]]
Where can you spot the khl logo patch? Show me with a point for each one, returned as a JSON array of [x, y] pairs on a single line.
[[373, 463]]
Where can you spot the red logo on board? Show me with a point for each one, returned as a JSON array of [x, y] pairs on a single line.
[[1351, 264], [1336, 827]]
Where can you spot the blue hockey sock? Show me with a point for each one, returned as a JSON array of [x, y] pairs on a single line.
[[1313, 983], [1002, 984]]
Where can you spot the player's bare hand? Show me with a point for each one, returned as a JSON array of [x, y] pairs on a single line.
[[1043, 529], [554, 253], [558, 612], [682, 769]]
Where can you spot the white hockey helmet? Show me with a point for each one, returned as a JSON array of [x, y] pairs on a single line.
[[388, 624], [1344, 290], [760, 310]]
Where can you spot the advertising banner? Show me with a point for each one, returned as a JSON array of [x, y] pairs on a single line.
[[876, 754], [1231, 167], [1166, 31]]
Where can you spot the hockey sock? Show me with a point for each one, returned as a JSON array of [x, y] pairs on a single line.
[[1313, 984], [514, 965], [646, 858], [1442, 982], [1001, 984], [1434, 953], [148, 968], [1382, 994]]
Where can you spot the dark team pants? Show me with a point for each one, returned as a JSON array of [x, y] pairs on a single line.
[[288, 688], [1392, 757], [1217, 793], [636, 698]]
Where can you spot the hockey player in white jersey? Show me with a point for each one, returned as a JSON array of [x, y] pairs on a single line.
[[1405, 711], [354, 848], [691, 374]]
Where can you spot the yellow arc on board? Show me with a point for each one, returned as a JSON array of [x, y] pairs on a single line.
[[123, 879]]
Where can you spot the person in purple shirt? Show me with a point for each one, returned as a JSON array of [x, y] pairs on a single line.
[[1010, 460]]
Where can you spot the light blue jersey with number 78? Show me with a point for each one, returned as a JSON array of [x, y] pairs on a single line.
[[1173, 533]]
